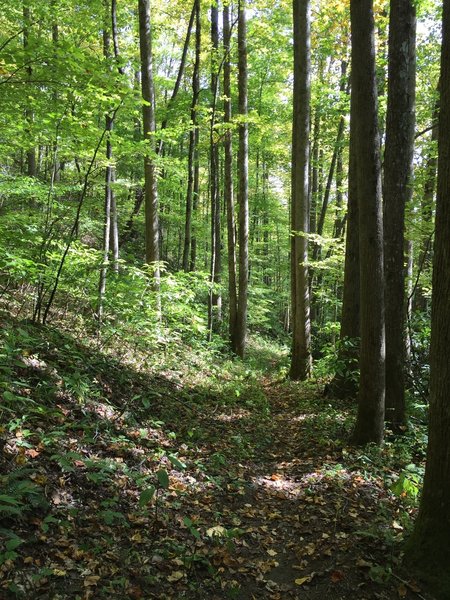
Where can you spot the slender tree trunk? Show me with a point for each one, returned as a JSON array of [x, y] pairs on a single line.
[[215, 300], [148, 117], [193, 137], [241, 318], [314, 191], [326, 198], [228, 179], [301, 335], [428, 549], [420, 300], [29, 113], [344, 384], [109, 126], [398, 171], [370, 419], [179, 75]]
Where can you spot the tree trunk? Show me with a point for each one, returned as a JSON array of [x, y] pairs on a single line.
[[215, 300], [228, 179], [398, 171], [428, 549], [29, 114], [193, 136], [420, 300], [370, 420], [148, 117], [241, 318], [301, 334]]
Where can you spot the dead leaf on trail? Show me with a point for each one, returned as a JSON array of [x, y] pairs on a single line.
[[302, 580], [337, 576], [272, 552], [91, 581], [32, 453], [402, 591], [175, 576], [363, 563]]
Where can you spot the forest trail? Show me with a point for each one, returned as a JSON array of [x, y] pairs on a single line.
[[313, 526], [205, 481]]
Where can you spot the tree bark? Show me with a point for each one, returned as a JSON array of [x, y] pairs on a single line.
[[344, 384], [370, 419], [148, 117], [428, 549], [228, 179], [301, 334], [398, 172], [193, 137], [241, 317], [215, 300], [29, 113]]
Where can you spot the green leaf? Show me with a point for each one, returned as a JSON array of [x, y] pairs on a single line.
[[163, 478], [13, 543], [147, 495], [176, 462]]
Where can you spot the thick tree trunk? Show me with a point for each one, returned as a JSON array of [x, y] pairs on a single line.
[[301, 334], [370, 420], [148, 117], [228, 179], [429, 549], [241, 318], [398, 170]]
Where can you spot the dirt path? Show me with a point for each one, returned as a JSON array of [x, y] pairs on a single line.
[[314, 528], [120, 484]]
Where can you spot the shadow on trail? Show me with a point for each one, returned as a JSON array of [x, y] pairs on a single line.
[[251, 496]]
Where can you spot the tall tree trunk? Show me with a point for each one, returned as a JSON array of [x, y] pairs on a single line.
[[193, 137], [29, 114], [181, 68], [428, 549], [420, 300], [301, 334], [398, 171], [148, 117], [370, 419], [344, 384], [215, 300], [241, 318], [228, 179]]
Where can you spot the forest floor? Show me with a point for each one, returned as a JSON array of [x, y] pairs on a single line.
[[192, 480]]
